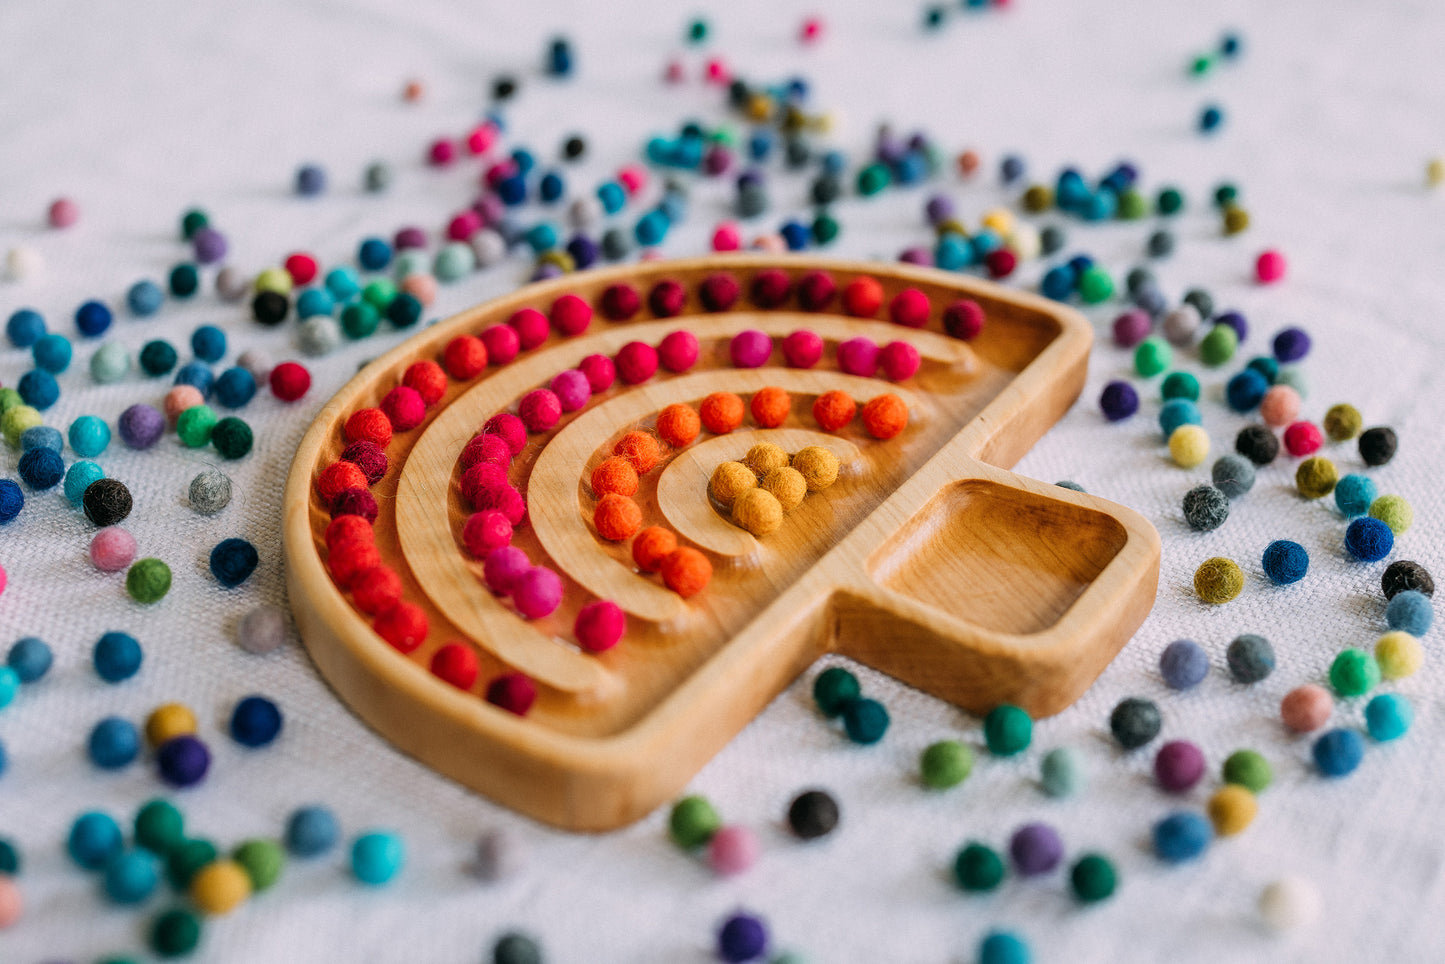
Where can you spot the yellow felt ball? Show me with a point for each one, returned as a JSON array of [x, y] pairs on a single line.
[[274, 279], [787, 485], [1435, 171], [818, 466], [758, 511], [1394, 511], [17, 420], [1399, 655], [220, 887], [764, 457], [1231, 809], [1189, 446], [1000, 219], [730, 480], [168, 721], [1218, 580]]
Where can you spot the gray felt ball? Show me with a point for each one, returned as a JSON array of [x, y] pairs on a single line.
[[1233, 475], [499, 855], [1250, 658], [210, 492], [318, 335], [1205, 508], [262, 630]]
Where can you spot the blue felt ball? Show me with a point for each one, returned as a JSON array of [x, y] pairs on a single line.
[[1369, 539], [1353, 495], [132, 877], [1177, 412], [25, 327], [1285, 562], [1003, 947], [1410, 612], [30, 658], [552, 187], [1246, 390], [1183, 664], [9, 686], [310, 180], [12, 500], [952, 252], [1388, 716], [1338, 752], [4, 762], [376, 857], [52, 352], [145, 298], [199, 375], [183, 760], [1182, 836], [314, 302], [92, 318], [865, 720], [342, 283], [741, 938], [312, 831], [1118, 401], [79, 477], [1210, 119], [232, 561], [113, 743], [42, 437], [41, 468], [208, 343], [38, 389], [796, 235], [235, 388], [374, 254], [512, 190], [94, 840], [255, 722], [89, 435], [1058, 282], [117, 656]]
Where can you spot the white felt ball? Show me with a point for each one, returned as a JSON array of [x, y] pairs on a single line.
[[1290, 902], [22, 262]]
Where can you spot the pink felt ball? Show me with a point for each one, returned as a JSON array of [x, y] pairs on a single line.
[[1269, 267], [732, 850], [1303, 438], [112, 549], [600, 625], [442, 152], [674, 74], [4, 580], [899, 360], [485, 448], [1306, 708], [478, 481], [12, 905], [750, 349], [537, 592], [501, 343], [571, 315], [179, 399], [485, 531], [803, 348], [858, 356], [511, 428], [531, 327], [63, 213], [422, 287], [572, 389], [678, 351], [1280, 406], [503, 567], [1178, 766], [636, 362], [811, 31], [404, 408], [540, 409], [726, 237], [600, 372], [633, 177], [1132, 327]]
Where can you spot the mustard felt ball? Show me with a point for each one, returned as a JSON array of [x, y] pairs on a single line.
[[764, 457], [1399, 655], [169, 721], [730, 480], [220, 887], [1218, 580], [1343, 422], [758, 511], [1394, 511], [787, 485], [1316, 477], [1189, 446], [817, 465], [1232, 809]]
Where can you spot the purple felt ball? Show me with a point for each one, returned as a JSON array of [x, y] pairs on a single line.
[[750, 349], [1132, 327], [1236, 321], [210, 245], [1036, 849], [572, 389], [858, 356], [537, 592], [742, 937], [141, 426], [1118, 401], [1178, 766], [1291, 345], [183, 761], [939, 208], [410, 237], [503, 567]]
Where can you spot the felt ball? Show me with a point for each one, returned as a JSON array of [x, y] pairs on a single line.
[[166, 722], [1394, 511], [1247, 769], [813, 814], [818, 466], [232, 438], [186, 859], [179, 399], [1257, 443], [1231, 810], [232, 561], [1003, 947], [1036, 849], [865, 720], [978, 868], [667, 298], [370, 459], [863, 296], [1093, 878], [678, 351], [1248, 390], [255, 722], [377, 857], [1250, 658], [899, 360], [1218, 580], [1315, 477], [52, 353], [404, 408], [373, 590], [616, 517], [885, 416], [1189, 446], [1285, 562], [944, 764], [1399, 655], [1134, 722], [112, 549], [802, 349], [94, 840], [763, 457], [503, 567], [195, 425], [38, 389], [833, 410], [311, 831], [692, 822], [1354, 672], [1306, 708], [1302, 438], [600, 625], [485, 531], [25, 327], [114, 743], [732, 850], [721, 412], [1291, 345], [1233, 475], [1061, 774], [787, 485], [1353, 495], [175, 933], [17, 420], [758, 511], [1280, 405], [148, 580], [1007, 730], [42, 436], [678, 425], [742, 937], [1405, 574], [31, 659], [1177, 412], [1183, 664], [537, 592], [1118, 401], [1205, 508], [1178, 766], [540, 410], [131, 877], [1338, 752], [1410, 612], [1181, 837], [183, 761], [513, 692], [510, 428], [636, 362], [858, 356], [318, 335], [12, 500], [1152, 357], [1129, 329], [515, 948], [531, 327], [1343, 422], [262, 860], [909, 307], [1368, 539], [89, 436], [686, 571], [1181, 325], [41, 469], [1289, 903], [751, 349], [1388, 717], [110, 363], [651, 546]]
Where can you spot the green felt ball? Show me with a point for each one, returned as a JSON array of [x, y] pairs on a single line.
[[1201, 65], [1061, 773], [1093, 878], [978, 867], [409, 262], [148, 580], [945, 764], [1095, 285], [1342, 422], [277, 280], [834, 689], [195, 426], [1007, 730], [825, 228], [1152, 356], [693, 822], [18, 420], [1295, 379], [232, 437], [1180, 385], [454, 262], [192, 221], [262, 860], [873, 178], [1354, 672], [159, 827], [379, 294], [1225, 195], [175, 933], [1132, 206], [1248, 769], [186, 859], [1219, 345], [1394, 511], [359, 320], [110, 363], [9, 858], [9, 398], [1171, 201]]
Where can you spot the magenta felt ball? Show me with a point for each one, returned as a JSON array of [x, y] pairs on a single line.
[[1269, 267], [571, 315], [511, 428], [899, 361], [750, 349], [600, 625], [1178, 766], [803, 348], [488, 448], [404, 408], [501, 343], [732, 850], [572, 389], [540, 409], [1132, 327], [858, 356], [531, 327], [486, 531], [678, 351], [503, 567], [112, 549], [537, 592], [600, 372], [910, 308], [636, 362]]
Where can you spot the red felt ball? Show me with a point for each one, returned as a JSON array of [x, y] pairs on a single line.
[[600, 625], [513, 692], [404, 626], [355, 501], [336, 478], [1000, 262], [368, 458], [370, 424], [540, 409], [501, 343], [376, 589], [863, 297], [636, 362], [510, 428], [803, 348], [465, 356], [600, 372], [667, 298], [678, 351], [620, 302], [457, 664], [816, 290], [963, 319], [899, 360], [427, 379], [771, 288], [571, 315], [485, 447], [486, 531], [301, 267], [350, 560], [531, 327], [718, 292], [290, 381], [909, 308], [404, 408], [348, 528], [480, 478], [1303, 438]]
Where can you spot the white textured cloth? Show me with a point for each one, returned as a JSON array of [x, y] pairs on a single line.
[[141, 110]]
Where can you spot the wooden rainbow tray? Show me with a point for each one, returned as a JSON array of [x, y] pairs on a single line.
[[926, 560]]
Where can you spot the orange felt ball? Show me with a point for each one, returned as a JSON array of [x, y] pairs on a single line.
[[678, 425], [686, 571], [616, 517], [336, 478], [641, 449], [834, 409], [722, 412], [615, 476], [652, 546], [427, 379], [885, 416], [370, 424], [771, 406]]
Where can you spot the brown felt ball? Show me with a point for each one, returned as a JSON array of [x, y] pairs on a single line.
[[787, 486], [758, 511], [764, 457], [818, 466], [106, 501], [730, 480]]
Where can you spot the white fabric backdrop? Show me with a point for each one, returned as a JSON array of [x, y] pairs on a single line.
[[139, 111]]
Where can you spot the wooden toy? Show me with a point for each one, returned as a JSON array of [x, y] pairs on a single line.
[[926, 559]]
